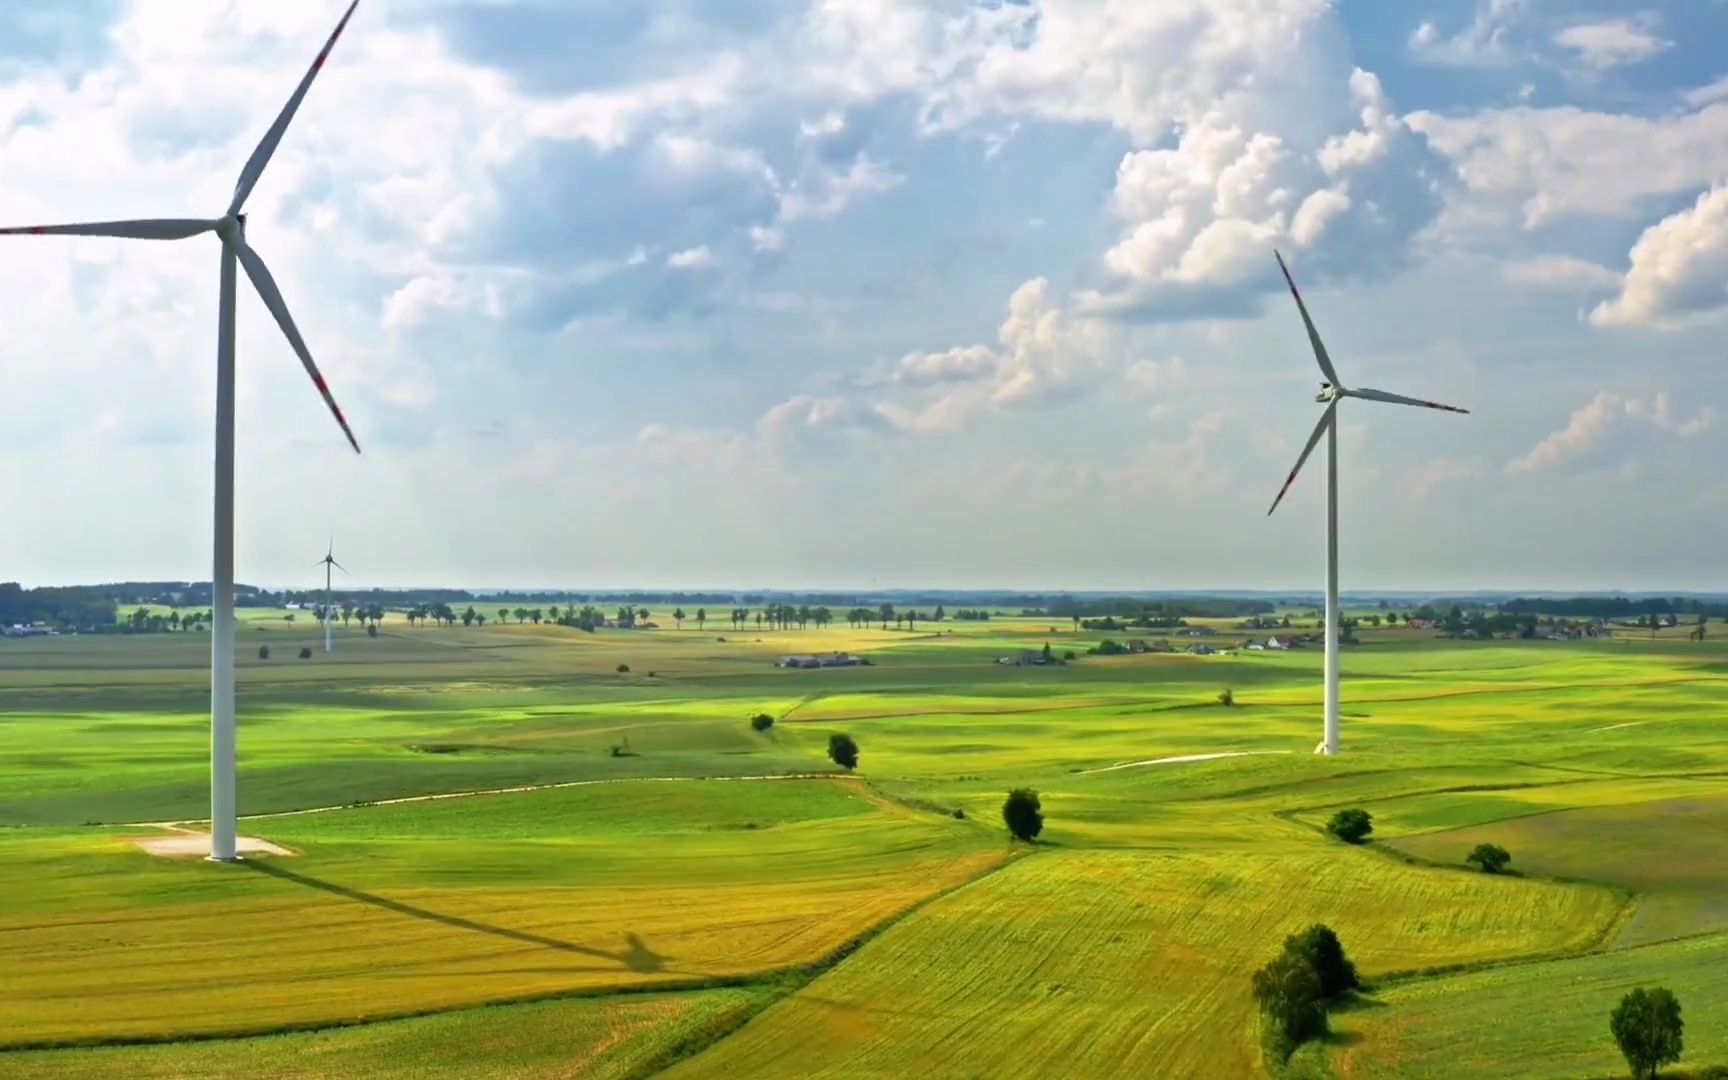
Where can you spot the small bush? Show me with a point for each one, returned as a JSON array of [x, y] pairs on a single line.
[[1069, 655], [1489, 858], [1351, 826], [959, 814], [371, 629], [263, 652], [1647, 1026], [843, 751], [305, 652], [1108, 647], [621, 749], [1023, 814], [761, 722], [623, 669], [1227, 697]]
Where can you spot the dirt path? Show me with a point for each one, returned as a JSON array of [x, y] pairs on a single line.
[[178, 825], [1180, 758]]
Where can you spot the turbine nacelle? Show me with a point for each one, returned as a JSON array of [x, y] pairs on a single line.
[[1328, 393]]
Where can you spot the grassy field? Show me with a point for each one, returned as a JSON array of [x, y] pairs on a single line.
[[818, 924]]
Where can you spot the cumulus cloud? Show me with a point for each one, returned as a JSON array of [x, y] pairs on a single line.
[[1679, 269], [1201, 216], [1609, 422], [1609, 43]]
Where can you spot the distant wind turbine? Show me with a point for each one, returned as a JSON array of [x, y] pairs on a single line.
[[230, 228], [1332, 391], [328, 561]]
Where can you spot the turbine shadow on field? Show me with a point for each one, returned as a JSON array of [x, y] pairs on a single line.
[[638, 957]]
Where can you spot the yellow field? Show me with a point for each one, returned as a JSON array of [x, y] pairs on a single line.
[[369, 922], [1124, 963]]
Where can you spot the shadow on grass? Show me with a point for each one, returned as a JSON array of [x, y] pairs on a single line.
[[637, 956]]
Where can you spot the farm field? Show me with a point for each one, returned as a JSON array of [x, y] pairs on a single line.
[[672, 891]]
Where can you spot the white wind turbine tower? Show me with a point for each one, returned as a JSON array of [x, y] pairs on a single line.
[[328, 561], [1332, 391], [230, 228]]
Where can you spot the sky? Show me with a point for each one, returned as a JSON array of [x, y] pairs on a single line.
[[876, 293]]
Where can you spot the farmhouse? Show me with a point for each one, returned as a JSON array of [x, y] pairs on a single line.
[[35, 629], [838, 659], [1028, 657], [1202, 649]]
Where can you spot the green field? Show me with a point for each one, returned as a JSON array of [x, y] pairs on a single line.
[[671, 891]]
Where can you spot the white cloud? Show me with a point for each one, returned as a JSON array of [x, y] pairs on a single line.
[[1531, 167], [1608, 421], [766, 238], [696, 258], [1560, 272], [1483, 43], [962, 364], [1708, 94], [1610, 43], [824, 193], [1206, 211], [1679, 269]]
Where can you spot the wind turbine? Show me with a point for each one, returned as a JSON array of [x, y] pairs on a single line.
[[230, 228], [327, 562], [1332, 391]]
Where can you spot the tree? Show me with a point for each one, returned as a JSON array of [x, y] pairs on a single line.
[[535, 615], [263, 652], [521, 614], [1647, 1026], [1227, 697], [701, 618], [372, 630], [305, 652], [678, 617], [503, 614], [623, 669], [1489, 858], [469, 616], [1023, 814], [1320, 947], [843, 751], [1288, 993], [940, 614], [887, 612], [1351, 826], [761, 722]]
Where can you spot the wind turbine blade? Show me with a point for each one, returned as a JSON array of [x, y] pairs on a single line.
[[1400, 399], [150, 229], [272, 297], [261, 156], [1313, 440], [338, 566], [1313, 334]]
